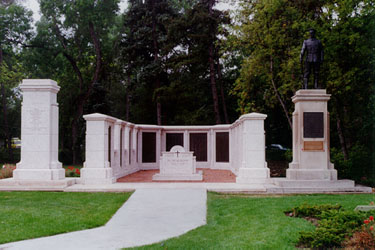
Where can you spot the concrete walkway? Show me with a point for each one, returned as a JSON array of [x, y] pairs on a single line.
[[149, 216]]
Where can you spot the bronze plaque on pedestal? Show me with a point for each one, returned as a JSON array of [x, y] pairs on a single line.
[[313, 125], [313, 146]]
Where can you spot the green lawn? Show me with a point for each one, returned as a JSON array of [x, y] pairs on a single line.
[[26, 215], [254, 222]]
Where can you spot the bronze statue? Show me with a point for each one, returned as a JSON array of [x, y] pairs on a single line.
[[314, 58]]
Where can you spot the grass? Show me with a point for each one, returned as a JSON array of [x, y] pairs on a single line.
[[254, 222], [26, 215]]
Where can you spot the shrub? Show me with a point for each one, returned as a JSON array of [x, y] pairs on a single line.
[[359, 166], [334, 226], [333, 229], [288, 155], [315, 211]]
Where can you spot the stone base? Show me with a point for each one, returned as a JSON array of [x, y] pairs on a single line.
[[169, 177], [11, 184], [253, 175], [97, 176], [316, 186], [364, 208], [284, 182], [311, 174], [39, 174]]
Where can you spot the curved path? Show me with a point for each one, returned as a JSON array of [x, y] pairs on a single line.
[[149, 216]]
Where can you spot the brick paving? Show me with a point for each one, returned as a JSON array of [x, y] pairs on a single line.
[[209, 175]]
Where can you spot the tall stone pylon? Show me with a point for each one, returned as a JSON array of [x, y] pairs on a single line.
[[39, 132]]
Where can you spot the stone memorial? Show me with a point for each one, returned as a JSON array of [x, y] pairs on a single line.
[[311, 148], [311, 169], [178, 165], [39, 132]]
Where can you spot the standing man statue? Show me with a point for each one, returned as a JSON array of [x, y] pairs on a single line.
[[314, 50]]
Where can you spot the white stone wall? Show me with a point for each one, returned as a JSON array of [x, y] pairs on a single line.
[[246, 148], [249, 148]]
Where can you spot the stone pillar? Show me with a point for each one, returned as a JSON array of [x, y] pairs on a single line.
[[97, 168], [211, 148], [253, 168], [311, 137], [186, 141], [115, 164], [134, 145], [126, 145], [39, 132], [158, 146]]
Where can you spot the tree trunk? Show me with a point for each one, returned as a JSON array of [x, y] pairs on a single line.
[[156, 59], [278, 95], [85, 94], [220, 78], [211, 61], [340, 133]]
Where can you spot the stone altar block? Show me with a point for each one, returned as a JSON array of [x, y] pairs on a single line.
[[39, 132], [178, 165], [311, 159]]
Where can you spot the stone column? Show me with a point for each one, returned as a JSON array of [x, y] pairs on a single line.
[[39, 132], [97, 168], [253, 168], [134, 145], [311, 137], [186, 141], [126, 145], [158, 146], [115, 164]]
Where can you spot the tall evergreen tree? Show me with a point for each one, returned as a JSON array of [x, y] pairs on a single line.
[[146, 48]]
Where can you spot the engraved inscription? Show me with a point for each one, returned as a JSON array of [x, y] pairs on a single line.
[[313, 125], [177, 163], [36, 120]]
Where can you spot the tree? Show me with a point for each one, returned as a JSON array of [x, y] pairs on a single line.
[[197, 33], [15, 30], [272, 35], [76, 34], [146, 48]]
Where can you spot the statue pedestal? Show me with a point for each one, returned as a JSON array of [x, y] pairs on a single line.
[[311, 170], [311, 160]]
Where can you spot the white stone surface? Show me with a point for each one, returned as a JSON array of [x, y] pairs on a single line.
[[149, 216], [39, 132], [97, 167], [310, 164], [178, 165], [246, 148], [251, 144]]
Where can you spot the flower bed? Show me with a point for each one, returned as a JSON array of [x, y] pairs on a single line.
[[335, 227], [72, 172], [6, 171]]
